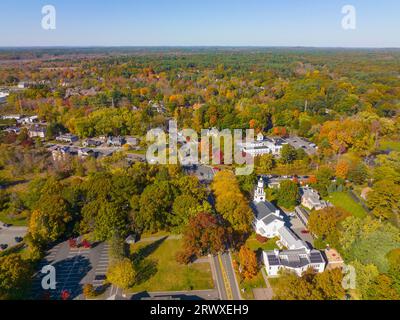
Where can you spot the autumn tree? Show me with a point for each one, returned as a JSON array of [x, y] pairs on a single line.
[[311, 286], [384, 200], [203, 235], [342, 169], [15, 276], [324, 223], [265, 163], [248, 266], [122, 274], [231, 203]]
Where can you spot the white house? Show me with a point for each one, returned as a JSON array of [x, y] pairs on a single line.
[[312, 200], [67, 138], [263, 145], [297, 261], [3, 96], [28, 120], [37, 132]]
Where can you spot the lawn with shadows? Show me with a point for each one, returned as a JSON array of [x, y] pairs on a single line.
[[159, 271]]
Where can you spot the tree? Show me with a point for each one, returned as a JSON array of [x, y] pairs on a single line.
[[89, 291], [323, 176], [394, 267], [310, 286], [265, 163], [49, 219], [203, 235], [288, 194], [384, 200], [368, 241], [183, 209], [288, 154], [231, 203], [342, 169], [382, 288], [122, 274], [365, 275], [155, 206], [324, 223], [248, 263], [15, 276], [110, 220]]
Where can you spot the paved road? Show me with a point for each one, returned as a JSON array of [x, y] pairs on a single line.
[[227, 285], [7, 235]]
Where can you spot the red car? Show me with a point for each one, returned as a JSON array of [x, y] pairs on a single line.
[[305, 231]]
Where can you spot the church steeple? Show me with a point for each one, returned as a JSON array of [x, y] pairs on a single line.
[[259, 193]]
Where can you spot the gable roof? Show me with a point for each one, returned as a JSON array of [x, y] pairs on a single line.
[[263, 210]]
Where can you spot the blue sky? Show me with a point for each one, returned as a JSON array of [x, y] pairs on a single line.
[[200, 22]]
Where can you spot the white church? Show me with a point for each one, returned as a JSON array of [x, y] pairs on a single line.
[[268, 222]]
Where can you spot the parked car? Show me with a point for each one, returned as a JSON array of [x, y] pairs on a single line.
[[3, 246], [100, 277], [305, 231], [18, 239], [7, 225]]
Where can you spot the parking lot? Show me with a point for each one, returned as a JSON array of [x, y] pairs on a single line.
[[301, 143], [8, 235], [75, 267]]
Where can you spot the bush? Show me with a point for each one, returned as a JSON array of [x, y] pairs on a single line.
[[261, 239], [89, 291]]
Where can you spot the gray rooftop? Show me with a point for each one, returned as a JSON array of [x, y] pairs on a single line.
[[294, 258], [263, 210]]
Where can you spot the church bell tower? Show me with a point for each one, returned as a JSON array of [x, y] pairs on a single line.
[[259, 193]]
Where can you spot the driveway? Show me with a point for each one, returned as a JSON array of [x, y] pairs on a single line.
[[7, 235]]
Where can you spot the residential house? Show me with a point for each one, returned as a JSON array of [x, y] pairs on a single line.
[[91, 143], [3, 97], [37, 132], [86, 152], [67, 138], [28, 120], [297, 261], [116, 141], [15, 130], [62, 153], [312, 200]]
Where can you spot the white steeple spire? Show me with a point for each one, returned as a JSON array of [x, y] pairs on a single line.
[[259, 193]]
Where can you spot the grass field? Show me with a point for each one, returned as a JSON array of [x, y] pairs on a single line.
[[161, 272], [255, 245], [344, 201], [19, 222]]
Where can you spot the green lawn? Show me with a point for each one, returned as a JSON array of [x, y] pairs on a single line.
[[253, 244], [390, 145], [19, 222], [344, 201], [160, 271]]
